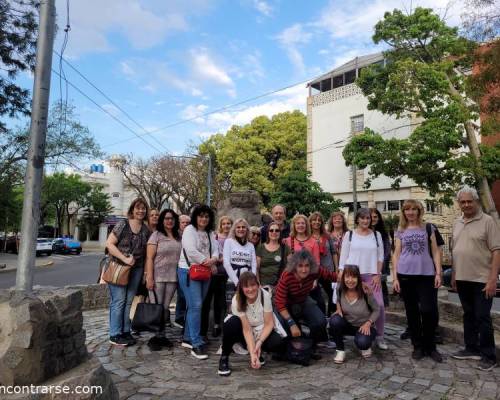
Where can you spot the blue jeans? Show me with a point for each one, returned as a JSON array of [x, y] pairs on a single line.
[[121, 300], [195, 294], [180, 305], [339, 327]]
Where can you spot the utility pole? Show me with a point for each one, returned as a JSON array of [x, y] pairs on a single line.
[[354, 190], [209, 181], [36, 152]]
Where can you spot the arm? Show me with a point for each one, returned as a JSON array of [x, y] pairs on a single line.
[[365, 328], [268, 328], [254, 260], [248, 335], [491, 286], [395, 260], [227, 262], [258, 260], [344, 252], [190, 243], [113, 250], [150, 255], [280, 301], [380, 262], [327, 275], [215, 247], [436, 256]]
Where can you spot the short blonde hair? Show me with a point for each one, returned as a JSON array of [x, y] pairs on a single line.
[[403, 222], [221, 220], [232, 232], [293, 231]]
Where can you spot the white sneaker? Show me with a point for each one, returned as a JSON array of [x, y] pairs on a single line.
[[239, 349], [219, 350], [366, 353], [339, 357], [381, 344]]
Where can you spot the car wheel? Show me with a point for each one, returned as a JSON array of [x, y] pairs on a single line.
[[38, 254], [78, 252]]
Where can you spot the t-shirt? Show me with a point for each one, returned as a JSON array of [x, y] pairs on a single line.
[[358, 312], [254, 312], [362, 251], [270, 262], [238, 259], [165, 263], [415, 258], [310, 245], [473, 244], [130, 243]]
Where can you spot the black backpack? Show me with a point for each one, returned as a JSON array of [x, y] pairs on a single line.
[[299, 350]]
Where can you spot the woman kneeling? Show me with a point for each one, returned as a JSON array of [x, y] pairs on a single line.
[[356, 313], [252, 323]]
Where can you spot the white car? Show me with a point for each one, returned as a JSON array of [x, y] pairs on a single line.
[[43, 246]]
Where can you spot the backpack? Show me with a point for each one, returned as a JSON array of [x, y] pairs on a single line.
[[374, 232], [299, 350]]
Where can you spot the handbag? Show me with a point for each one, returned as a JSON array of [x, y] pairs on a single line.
[[199, 272], [116, 273], [299, 350], [149, 316]]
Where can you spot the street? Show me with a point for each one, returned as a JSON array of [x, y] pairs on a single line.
[[66, 270]]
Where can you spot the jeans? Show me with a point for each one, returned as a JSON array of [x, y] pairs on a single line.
[[121, 300], [232, 332], [327, 287], [379, 298], [217, 292], [311, 315], [340, 327], [420, 298], [194, 293], [478, 328], [180, 305]]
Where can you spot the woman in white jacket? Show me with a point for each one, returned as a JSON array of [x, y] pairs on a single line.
[[239, 252]]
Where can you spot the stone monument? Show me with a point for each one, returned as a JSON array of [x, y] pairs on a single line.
[[241, 205]]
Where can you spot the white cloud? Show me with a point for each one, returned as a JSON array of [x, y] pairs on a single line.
[[193, 112], [290, 39], [205, 67], [263, 7]]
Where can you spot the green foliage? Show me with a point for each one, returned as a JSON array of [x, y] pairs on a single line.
[[420, 80], [299, 194], [256, 155], [97, 207]]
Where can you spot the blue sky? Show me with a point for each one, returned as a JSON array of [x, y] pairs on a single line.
[[169, 60]]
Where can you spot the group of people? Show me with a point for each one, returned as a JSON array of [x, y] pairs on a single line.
[[312, 277]]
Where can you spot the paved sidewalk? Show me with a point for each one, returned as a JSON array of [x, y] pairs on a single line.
[[392, 374]]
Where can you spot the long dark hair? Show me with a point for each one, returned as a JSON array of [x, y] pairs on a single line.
[[160, 227], [380, 225], [351, 270], [246, 278], [203, 209]]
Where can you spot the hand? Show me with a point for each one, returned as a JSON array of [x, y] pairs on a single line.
[[207, 262], [315, 284], [295, 330], [437, 281], [366, 288], [490, 289], [376, 283], [150, 283], [130, 260], [254, 361], [453, 283], [395, 286], [365, 328], [214, 269]]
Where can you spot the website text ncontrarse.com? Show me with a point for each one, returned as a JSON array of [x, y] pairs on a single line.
[[49, 389]]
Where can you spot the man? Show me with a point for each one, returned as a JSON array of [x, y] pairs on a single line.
[[278, 212], [476, 261], [180, 306]]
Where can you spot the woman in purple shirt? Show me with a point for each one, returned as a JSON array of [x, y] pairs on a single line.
[[417, 275]]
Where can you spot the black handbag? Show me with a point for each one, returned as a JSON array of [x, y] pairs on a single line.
[[149, 316]]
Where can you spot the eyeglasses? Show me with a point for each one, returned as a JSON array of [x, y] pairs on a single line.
[[169, 218], [255, 234], [274, 230]]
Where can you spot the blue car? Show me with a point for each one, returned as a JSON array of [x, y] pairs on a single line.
[[66, 246]]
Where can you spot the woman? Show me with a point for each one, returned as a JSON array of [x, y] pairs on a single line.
[[255, 235], [199, 246], [355, 315], [337, 227], [417, 275], [379, 226], [252, 323], [217, 288], [326, 252], [153, 216], [239, 252], [127, 244], [364, 248], [162, 258], [292, 298], [271, 257]]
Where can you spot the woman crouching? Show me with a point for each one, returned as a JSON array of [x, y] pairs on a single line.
[[252, 323], [356, 313]]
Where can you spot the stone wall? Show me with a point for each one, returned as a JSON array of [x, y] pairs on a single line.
[[241, 205], [94, 296]]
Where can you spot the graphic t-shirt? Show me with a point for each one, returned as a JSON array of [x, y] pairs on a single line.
[[270, 262], [415, 258]]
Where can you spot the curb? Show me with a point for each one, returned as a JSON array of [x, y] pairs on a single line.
[[44, 265]]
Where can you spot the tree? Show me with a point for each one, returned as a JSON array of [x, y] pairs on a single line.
[[18, 31], [256, 155], [97, 206], [299, 194], [481, 20], [422, 77]]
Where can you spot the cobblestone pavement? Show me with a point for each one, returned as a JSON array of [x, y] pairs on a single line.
[[391, 374]]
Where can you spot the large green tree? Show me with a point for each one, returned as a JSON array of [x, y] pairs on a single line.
[[97, 206], [423, 77]]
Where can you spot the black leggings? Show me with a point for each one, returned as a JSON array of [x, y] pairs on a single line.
[[217, 292], [232, 333]]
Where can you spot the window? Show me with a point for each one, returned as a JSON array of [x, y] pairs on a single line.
[[357, 124], [381, 206], [349, 77], [393, 205], [337, 81]]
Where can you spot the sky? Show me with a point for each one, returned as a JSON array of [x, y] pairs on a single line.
[[184, 69]]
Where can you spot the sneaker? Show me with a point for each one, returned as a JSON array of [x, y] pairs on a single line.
[[239, 349], [186, 344], [224, 369], [466, 355], [366, 353], [405, 335], [129, 338], [199, 353], [329, 344], [436, 356], [417, 354], [164, 342], [118, 340], [219, 350], [339, 357], [216, 331], [178, 323], [381, 343], [486, 364], [262, 361]]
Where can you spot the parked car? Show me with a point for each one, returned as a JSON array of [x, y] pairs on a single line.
[[43, 246], [447, 281], [66, 246]]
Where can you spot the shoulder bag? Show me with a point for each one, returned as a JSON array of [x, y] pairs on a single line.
[[149, 316], [199, 272]]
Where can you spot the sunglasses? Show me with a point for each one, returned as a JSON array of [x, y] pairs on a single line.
[[255, 234]]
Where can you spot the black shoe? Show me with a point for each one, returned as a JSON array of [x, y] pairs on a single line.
[[417, 354], [486, 364], [216, 331], [405, 335], [438, 339], [118, 340], [199, 353], [436, 356], [154, 344], [262, 361], [186, 344], [129, 338], [164, 342], [179, 323], [224, 369], [316, 356], [466, 355]]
